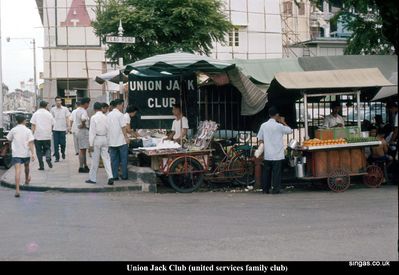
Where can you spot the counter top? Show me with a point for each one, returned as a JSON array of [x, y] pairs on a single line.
[[339, 146]]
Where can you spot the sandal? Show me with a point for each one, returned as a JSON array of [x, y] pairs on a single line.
[[17, 195]]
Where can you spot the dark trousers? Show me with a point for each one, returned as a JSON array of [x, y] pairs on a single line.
[[43, 148], [272, 175], [119, 156], [59, 141]]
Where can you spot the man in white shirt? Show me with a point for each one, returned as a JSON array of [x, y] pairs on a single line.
[[271, 134], [74, 128], [334, 119], [131, 112], [118, 140], [179, 125], [82, 122], [98, 141], [61, 115], [42, 126], [21, 143]]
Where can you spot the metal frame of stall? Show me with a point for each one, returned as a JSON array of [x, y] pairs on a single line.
[[339, 179], [305, 99]]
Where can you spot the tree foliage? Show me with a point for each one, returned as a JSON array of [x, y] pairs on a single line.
[[161, 26], [373, 24]]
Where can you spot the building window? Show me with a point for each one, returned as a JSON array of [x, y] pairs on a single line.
[[234, 37], [287, 8], [301, 9]]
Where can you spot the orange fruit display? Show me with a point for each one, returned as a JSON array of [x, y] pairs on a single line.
[[328, 142]]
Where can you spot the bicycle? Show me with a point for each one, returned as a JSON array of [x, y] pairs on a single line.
[[235, 164]]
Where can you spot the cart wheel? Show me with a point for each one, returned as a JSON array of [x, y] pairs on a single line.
[[374, 176], [339, 180], [186, 175], [243, 171], [7, 157]]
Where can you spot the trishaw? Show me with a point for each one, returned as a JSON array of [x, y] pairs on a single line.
[[5, 152], [187, 168]]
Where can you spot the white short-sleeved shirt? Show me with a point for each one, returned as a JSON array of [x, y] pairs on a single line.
[[178, 125], [20, 136], [60, 115], [272, 134], [44, 123], [332, 121], [98, 127], [116, 122], [81, 115], [126, 116], [74, 128]]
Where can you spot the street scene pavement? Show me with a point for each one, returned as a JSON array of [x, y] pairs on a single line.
[[359, 224], [64, 177]]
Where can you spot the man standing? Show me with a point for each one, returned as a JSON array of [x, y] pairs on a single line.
[[118, 140], [334, 119], [61, 115], [271, 134], [179, 125], [74, 128], [82, 122], [42, 125], [104, 108], [131, 112], [98, 133]]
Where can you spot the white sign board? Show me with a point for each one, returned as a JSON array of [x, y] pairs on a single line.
[[71, 92], [120, 39]]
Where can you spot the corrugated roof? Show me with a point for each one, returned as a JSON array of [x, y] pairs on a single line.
[[352, 78], [387, 64]]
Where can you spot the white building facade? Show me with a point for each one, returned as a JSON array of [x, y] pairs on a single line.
[[73, 54], [257, 33]]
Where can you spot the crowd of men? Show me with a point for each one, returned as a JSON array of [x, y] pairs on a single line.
[[105, 135]]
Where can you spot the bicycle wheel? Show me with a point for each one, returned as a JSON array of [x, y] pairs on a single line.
[[243, 171], [186, 175]]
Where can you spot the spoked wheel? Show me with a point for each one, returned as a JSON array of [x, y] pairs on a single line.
[[242, 170], [186, 175], [7, 159], [339, 180], [374, 176]]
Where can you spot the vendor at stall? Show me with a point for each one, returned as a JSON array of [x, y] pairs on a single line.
[[334, 119], [131, 112], [179, 126]]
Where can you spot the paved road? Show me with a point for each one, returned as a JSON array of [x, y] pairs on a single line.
[[360, 224]]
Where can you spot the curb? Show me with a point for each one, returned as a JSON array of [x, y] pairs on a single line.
[[139, 188]]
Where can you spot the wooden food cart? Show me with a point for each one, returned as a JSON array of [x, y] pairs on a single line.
[[334, 161], [337, 163], [184, 169]]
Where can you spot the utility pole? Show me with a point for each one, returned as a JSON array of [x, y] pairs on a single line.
[[33, 41], [34, 74], [1, 84]]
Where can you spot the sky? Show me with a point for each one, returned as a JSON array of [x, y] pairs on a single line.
[[20, 19]]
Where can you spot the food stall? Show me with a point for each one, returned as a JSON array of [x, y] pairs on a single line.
[[335, 154], [187, 166]]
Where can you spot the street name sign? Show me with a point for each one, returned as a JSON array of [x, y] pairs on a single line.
[[120, 39]]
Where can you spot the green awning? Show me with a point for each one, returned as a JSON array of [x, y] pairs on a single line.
[[262, 71]]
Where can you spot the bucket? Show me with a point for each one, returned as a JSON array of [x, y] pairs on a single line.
[[300, 170]]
